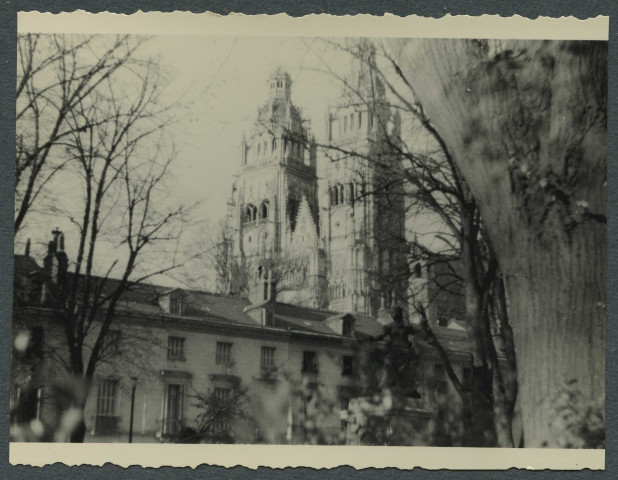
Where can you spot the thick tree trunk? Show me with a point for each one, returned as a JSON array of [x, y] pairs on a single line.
[[526, 124]]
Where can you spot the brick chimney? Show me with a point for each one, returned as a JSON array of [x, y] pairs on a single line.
[[55, 265]]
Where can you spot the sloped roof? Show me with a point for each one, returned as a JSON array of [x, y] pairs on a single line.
[[144, 298]]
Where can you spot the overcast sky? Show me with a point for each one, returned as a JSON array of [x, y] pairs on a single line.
[[219, 82], [222, 81]]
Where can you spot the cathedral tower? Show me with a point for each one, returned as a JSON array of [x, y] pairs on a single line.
[[363, 203], [277, 181]]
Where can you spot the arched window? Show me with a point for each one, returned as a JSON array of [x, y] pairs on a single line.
[[264, 209], [352, 192], [340, 194], [250, 213], [274, 144], [265, 146], [360, 119], [345, 124], [418, 273], [334, 197], [352, 121], [259, 149]]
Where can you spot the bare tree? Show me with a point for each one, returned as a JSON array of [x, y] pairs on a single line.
[[434, 183], [115, 154], [220, 411], [55, 73], [525, 122]]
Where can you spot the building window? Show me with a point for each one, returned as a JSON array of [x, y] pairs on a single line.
[[345, 124], [220, 424], [224, 353], [347, 327], [177, 305], [439, 379], [264, 210], [111, 343], [173, 408], [267, 360], [268, 318], [251, 213], [106, 397], [338, 195], [28, 403], [348, 365], [360, 119], [106, 420], [175, 348], [418, 271], [344, 405], [310, 361]]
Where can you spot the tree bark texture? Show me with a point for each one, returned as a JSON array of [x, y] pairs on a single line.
[[525, 121]]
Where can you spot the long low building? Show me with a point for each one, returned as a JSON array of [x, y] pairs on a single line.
[[197, 366]]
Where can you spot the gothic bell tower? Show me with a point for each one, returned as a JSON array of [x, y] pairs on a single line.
[[277, 174], [363, 213]]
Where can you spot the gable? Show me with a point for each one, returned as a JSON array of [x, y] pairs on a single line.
[[305, 236]]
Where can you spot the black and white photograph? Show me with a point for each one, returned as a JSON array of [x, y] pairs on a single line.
[[309, 240]]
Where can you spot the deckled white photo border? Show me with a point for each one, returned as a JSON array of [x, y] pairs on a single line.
[[186, 23], [281, 456]]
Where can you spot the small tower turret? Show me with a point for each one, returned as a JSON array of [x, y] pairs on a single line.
[[280, 84]]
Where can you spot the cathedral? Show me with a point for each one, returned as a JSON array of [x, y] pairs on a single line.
[[327, 217]]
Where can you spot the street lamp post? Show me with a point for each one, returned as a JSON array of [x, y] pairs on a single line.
[[133, 387]]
